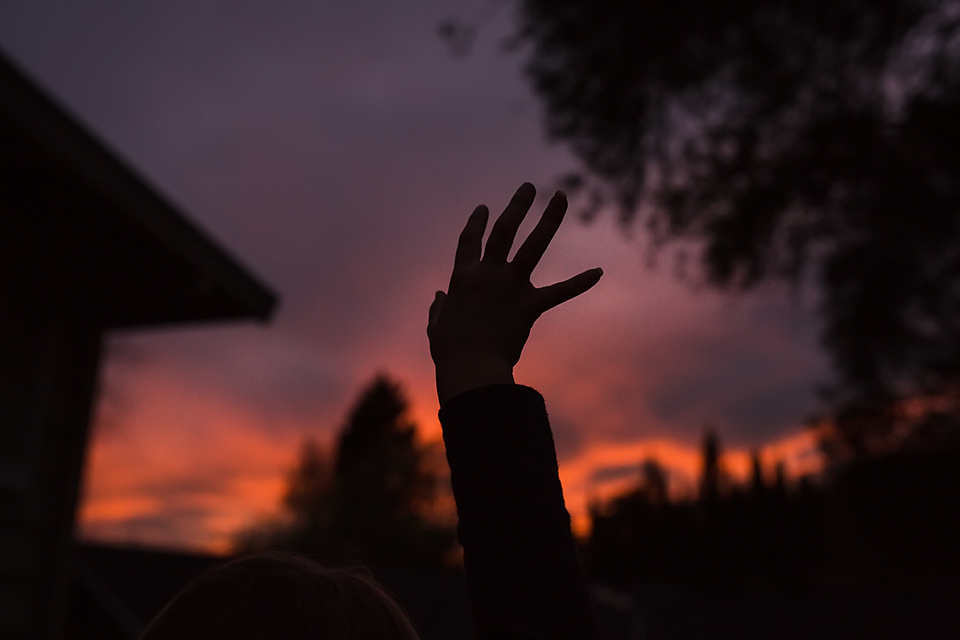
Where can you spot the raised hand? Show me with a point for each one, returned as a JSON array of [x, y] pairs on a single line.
[[478, 328]]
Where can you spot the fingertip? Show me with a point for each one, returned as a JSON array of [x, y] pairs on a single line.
[[528, 187], [434, 310], [558, 204], [594, 277], [473, 230], [589, 279]]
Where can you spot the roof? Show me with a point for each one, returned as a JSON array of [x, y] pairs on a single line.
[[82, 228]]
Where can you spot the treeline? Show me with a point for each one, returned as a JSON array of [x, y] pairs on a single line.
[[878, 517], [885, 522]]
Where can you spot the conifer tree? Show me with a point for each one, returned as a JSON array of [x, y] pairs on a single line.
[[370, 500]]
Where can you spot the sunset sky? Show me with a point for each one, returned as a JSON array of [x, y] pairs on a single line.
[[336, 149]]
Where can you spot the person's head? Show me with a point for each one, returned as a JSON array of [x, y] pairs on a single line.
[[280, 596]]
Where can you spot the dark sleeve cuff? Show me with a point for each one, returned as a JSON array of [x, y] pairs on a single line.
[[499, 445]]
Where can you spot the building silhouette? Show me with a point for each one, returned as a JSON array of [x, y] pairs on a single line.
[[86, 247]]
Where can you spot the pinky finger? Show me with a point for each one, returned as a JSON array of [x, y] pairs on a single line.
[[435, 308], [557, 294]]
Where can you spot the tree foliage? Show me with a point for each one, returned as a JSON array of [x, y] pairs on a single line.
[[791, 140], [371, 500]]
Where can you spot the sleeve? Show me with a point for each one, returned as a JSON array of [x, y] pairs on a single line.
[[522, 570]]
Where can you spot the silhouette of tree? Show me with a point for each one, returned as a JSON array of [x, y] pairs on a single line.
[[711, 478], [793, 140], [654, 482], [371, 502], [757, 484], [633, 535], [780, 478], [729, 540], [310, 494]]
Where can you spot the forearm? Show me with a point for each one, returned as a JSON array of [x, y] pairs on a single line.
[[522, 569]]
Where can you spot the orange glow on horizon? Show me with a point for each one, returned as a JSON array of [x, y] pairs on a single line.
[[682, 462], [196, 484], [184, 463]]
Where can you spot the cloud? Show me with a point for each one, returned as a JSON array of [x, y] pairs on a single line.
[[183, 469], [644, 355]]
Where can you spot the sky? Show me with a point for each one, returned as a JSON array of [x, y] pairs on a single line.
[[336, 149]]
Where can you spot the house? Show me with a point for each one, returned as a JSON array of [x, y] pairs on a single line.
[[86, 246]]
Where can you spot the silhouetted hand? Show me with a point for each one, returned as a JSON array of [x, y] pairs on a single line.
[[478, 328]]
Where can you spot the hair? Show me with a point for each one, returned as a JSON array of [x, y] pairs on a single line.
[[281, 596]]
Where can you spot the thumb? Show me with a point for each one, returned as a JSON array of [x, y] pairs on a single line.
[[560, 292]]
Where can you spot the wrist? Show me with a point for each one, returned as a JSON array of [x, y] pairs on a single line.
[[463, 374]]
